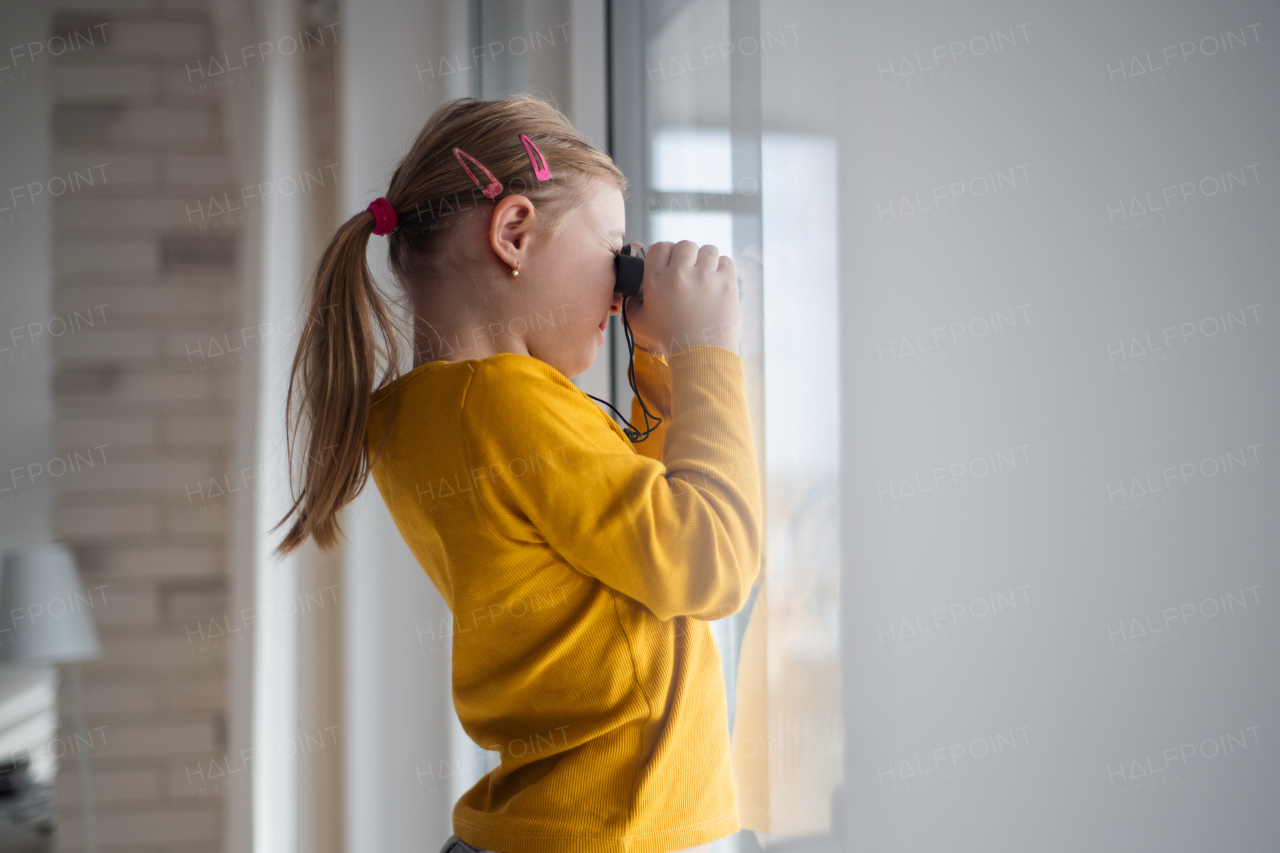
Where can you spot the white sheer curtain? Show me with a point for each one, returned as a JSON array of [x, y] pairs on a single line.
[[390, 700], [398, 685]]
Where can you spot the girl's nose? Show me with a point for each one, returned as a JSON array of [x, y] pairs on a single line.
[[616, 306]]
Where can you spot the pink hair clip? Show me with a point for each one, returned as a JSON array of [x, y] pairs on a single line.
[[494, 187], [542, 172]]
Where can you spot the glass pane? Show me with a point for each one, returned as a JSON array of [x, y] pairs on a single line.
[[692, 137], [801, 393]]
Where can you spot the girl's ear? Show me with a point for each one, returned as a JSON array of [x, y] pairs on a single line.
[[511, 227]]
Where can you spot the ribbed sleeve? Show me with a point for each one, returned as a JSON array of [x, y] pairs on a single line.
[[683, 537]]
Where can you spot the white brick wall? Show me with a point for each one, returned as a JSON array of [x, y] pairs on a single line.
[[151, 559], [119, 344], [152, 127], [197, 169], [182, 430], [158, 38], [154, 554], [122, 699], [116, 431], [177, 301], [119, 170], [168, 477], [195, 694], [124, 216], [130, 828], [114, 786], [74, 523], [182, 82], [106, 5], [207, 517], [183, 740], [119, 255], [104, 81]]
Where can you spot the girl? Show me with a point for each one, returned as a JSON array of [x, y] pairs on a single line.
[[581, 561]]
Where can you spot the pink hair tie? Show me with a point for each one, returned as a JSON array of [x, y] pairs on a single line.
[[384, 216]]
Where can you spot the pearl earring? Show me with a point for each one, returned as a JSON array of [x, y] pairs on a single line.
[[516, 271]]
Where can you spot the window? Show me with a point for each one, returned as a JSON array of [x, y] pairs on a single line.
[[688, 128]]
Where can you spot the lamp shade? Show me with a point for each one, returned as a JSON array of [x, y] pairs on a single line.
[[45, 615]]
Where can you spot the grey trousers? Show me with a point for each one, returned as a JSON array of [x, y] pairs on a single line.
[[457, 845]]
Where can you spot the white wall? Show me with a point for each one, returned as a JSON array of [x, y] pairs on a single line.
[[1035, 632]]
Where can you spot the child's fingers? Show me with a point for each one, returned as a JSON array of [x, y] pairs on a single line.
[[726, 265], [684, 254], [659, 255], [707, 256]]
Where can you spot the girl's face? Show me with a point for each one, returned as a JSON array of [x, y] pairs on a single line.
[[569, 281]]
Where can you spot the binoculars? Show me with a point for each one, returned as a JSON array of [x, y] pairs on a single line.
[[628, 268], [628, 271]]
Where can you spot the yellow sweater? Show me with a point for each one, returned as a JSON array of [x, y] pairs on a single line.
[[581, 571]]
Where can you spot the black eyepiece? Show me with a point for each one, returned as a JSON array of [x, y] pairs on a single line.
[[628, 268]]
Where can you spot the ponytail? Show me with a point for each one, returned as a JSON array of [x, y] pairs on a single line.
[[351, 326], [348, 331]]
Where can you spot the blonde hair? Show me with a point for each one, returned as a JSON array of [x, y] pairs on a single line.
[[349, 344]]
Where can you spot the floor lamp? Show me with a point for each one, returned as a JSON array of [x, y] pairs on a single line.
[[44, 607]]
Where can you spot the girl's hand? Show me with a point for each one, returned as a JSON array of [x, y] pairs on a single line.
[[690, 297]]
